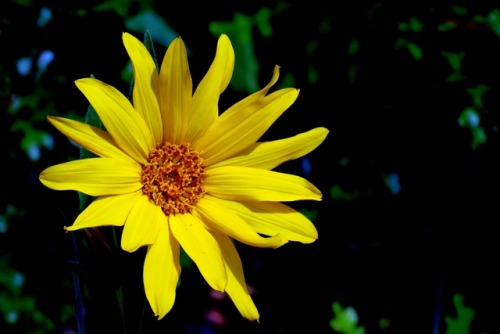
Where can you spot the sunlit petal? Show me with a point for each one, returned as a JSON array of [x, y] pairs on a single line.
[[122, 121], [254, 184], [236, 285], [161, 272], [268, 155], [175, 92], [145, 85], [244, 123], [206, 97], [225, 221], [106, 211], [95, 176], [143, 225], [201, 247], [271, 218], [93, 139]]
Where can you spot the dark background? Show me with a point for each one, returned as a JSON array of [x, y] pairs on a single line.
[[392, 81]]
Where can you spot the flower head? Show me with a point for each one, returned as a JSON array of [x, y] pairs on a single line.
[[174, 173]]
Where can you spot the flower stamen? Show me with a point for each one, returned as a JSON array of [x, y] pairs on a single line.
[[173, 178]]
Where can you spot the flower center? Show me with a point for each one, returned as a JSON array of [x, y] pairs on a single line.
[[173, 178]]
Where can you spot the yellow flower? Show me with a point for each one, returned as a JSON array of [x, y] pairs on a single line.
[[174, 173]]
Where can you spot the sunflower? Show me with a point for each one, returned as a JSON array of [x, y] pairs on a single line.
[[174, 173]]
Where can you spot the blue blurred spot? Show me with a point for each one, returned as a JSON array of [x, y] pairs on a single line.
[[45, 58], [305, 163], [17, 280], [48, 141], [3, 224], [23, 66], [392, 182], [45, 16], [33, 152], [473, 119], [12, 317]]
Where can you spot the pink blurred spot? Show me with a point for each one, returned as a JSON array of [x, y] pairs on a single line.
[[217, 295], [214, 316]]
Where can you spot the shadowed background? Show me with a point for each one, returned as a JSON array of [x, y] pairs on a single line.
[[409, 171]]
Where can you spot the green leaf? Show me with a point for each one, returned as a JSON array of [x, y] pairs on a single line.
[[337, 193], [477, 94], [148, 42], [448, 25], [345, 320], [464, 316], [415, 50], [240, 31], [119, 6], [246, 70]]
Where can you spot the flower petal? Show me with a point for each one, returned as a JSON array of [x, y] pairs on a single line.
[[122, 121], [93, 139], [106, 211], [209, 210], [236, 285], [201, 247], [175, 92], [254, 184], [206, 97], [145, 85], [268, 155], [271, 218], [161, 272], [95, 176], [143, 225], [231, 134]]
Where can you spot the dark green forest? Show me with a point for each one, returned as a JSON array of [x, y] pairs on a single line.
[[409, 172]]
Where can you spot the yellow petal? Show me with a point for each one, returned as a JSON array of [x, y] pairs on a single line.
[[95, 176], [201, 247], [236, 285], [93, 139], [253, 184], [143, 225], [106, 211], [206, 97], [271, 218], [145, 85], [176, 92], [240, 127], [268, 155], [217, 216], [122, 121], [161, 272]]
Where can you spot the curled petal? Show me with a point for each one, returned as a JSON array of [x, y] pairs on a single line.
[[206, 97], [243, 124], [271, 218], [223, 220]]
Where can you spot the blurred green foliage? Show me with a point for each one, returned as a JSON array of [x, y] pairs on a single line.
[[409, 93], [461, 323], [345, 320]]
